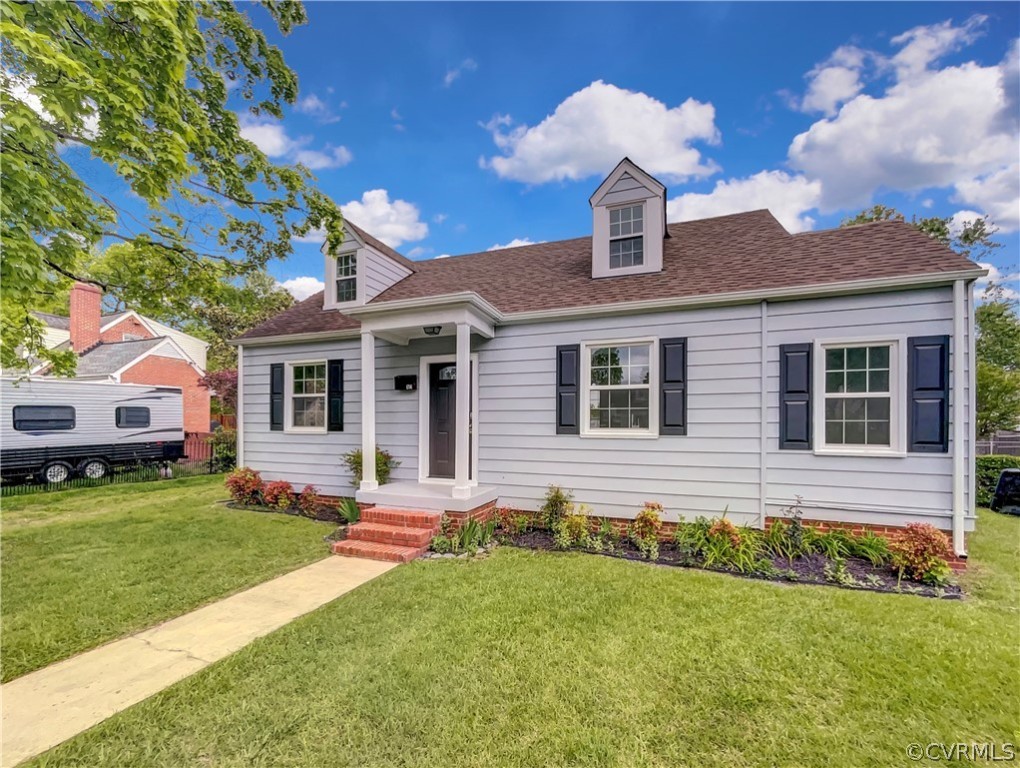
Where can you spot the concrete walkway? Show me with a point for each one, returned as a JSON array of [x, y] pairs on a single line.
[[46, 707]]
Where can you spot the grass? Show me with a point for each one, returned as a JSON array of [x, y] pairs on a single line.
[[568, 659], [80, 568]]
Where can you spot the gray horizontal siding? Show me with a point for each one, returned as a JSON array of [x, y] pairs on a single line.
[[380, 273]]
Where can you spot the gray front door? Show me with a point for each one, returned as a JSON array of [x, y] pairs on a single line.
[[442, 419]]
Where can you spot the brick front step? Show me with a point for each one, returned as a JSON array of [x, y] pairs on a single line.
[[407, 518], [374, 550], [382, 533]]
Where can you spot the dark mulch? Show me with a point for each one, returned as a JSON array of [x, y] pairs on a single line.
[[808, 569], [322, 512]]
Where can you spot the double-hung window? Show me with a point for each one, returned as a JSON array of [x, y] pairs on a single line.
[[346, 277], [860, 395], [626, 237], [307, 396], [620, 394]]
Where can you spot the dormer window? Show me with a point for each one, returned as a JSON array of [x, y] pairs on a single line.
[[626, 237], [346, 277]]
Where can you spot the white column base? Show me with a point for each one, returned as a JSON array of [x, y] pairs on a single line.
[[368, 485], [461, 493]]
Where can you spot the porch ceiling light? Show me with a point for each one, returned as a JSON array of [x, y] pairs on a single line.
[[432, 330]]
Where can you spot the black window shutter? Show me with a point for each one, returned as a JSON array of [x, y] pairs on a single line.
[[928, 394], [673, 383], [795, 397], [335, 395], [568, 389], [276, 396]]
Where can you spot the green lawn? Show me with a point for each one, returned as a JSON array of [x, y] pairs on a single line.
[[544, 659], [83, 567]]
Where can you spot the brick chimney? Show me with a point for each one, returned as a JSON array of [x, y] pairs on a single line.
[[86, 312]]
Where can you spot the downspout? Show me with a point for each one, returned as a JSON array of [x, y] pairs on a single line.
[[239, 428], [959, 416], [763, 408]]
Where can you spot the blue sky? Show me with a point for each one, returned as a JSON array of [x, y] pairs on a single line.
[[451, 128]]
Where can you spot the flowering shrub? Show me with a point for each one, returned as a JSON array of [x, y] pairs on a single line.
[[644, 531], [279, 494], [245, 486], [921, 553], [308, 500], [573, 530], [725, 529], [510, 521]]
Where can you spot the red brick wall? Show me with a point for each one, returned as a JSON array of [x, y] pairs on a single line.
[[129, 325], [174, 372], [85, 313]]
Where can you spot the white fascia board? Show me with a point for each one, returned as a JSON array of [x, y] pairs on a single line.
[[294, 338], [469, 298]]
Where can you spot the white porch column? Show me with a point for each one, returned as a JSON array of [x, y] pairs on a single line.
[[368, 479], [461, 482]]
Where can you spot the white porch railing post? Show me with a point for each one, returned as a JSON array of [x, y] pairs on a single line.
[[461, 481], [368, 478]]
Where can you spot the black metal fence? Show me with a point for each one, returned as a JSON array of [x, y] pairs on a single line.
[[201, 460]]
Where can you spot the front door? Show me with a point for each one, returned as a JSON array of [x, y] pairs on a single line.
[[442, 419]]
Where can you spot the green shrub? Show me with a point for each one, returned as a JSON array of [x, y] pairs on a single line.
[[921, 553], [510, 521], [691, 538], [871, 547], [573, 530], [732, 547], [988, 470], [558, 503], [788, 537], [349, 510], [834, 544], [279, 494], [224, 449], [384, 465], [245, 486], [441, 544], [644, 531]]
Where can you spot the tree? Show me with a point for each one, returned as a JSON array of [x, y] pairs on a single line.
[[139, 91], [997, 346], [224, 384]]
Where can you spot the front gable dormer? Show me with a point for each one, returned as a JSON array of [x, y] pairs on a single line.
[[628, 223], [360, 269]]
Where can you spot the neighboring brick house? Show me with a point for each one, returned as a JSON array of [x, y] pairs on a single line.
[[129, 348]]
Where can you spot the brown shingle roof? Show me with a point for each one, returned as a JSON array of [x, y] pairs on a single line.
[[726, 254], [380, 246]]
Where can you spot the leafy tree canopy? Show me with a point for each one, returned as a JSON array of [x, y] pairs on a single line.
[[139, 91]]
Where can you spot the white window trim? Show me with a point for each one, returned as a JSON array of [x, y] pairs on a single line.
[[642, 267], [330, 301], [288, 399], [653, 391], [897, 398]]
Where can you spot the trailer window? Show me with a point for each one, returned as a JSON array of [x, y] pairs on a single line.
[[29, 418], [132, 416]]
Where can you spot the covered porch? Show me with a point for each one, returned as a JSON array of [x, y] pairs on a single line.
[[447, 397]]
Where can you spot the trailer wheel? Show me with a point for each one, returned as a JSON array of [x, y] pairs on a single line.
[[56, 472], [93, 469]]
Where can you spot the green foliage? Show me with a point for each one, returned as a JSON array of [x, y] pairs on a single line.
[[574, 530], [140, 91], [644, 531], [921, 553], [988, 470], [871, 547], [441, 544], [511, 522], [558, 503], [245, 486], [224, 449], [384, 465], [349, 510], [998, 399], [834, 544], [998, 339], [727, 546], [836, 573], [279, 494]]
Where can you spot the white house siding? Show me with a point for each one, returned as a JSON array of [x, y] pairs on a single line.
[[714, 467], [870, 489], [300, 458], [380, 273]]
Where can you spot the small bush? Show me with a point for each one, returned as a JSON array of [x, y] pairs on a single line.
[[834, 544], [349, 510], [510, 521], [644, 531], [441, 544], [870, 547], [384, 465], [245, 486], [558, 503], [988, 470], [308, 500], [691, 538], [788, 537], [921, 553], [224, 449], [573, 530], [728, 546], [279, 494]]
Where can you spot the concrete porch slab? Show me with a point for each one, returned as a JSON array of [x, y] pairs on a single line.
[[432, 497]]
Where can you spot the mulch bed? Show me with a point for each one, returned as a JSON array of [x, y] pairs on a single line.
[[808, 569], [322, 512]]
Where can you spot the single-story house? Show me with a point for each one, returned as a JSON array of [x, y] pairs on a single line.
[[720, 364]]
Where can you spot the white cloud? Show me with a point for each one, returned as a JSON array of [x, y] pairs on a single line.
[[439, 218], [592, 129], [332, 157], [515, 243], [443, 256], [788, 197], [1008, 284], [315, 107], [22, 88], [997, 194], [392, 221], [303, 287], [453, 73], [418, 251], [960, 219], [316, 236], [929, 129], [834, 81]]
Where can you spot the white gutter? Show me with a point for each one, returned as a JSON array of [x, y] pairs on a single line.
[[427, 302], [763, 407], [267, 341], [959, 416], [239, 429]]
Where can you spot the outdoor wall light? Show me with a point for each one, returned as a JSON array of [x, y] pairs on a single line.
[[432, 330]]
